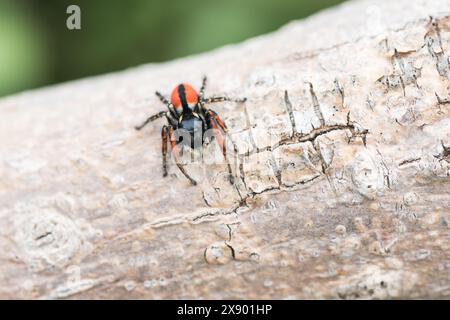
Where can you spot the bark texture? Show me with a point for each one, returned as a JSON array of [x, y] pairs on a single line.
[[341, 163]]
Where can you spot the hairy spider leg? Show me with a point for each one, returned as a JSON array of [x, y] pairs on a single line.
[[220, 129], [162, 98], [164, 140], [221, 99], [174, 149], [202, 89], [150, 119]]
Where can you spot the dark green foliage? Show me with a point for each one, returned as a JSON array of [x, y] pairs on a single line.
[[37, 48]]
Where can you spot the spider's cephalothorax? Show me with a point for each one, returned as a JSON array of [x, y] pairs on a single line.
[[187, 110]]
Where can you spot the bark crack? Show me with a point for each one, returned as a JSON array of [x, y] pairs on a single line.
[[290, 111], [251, 195], [407, 161], [340, 90], [404, 72], [442, 101], [387, 172], [441, 60], [445, 154], [316, 105]]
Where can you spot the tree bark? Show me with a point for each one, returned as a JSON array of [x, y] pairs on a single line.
[[341, 171]]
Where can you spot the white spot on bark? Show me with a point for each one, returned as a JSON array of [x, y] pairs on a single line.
[[47, 238]]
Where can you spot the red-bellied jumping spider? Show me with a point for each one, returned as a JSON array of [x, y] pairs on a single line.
[[187, 110]]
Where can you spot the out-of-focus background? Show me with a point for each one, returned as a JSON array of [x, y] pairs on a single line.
[[37, 49]]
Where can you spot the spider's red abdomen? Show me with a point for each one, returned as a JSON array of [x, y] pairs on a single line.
[[184, 95]]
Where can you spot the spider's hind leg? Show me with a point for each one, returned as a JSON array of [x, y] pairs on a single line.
[[164, 140], [174, 147], [220, 132]]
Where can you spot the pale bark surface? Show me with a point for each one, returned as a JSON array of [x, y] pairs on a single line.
[[86, 213]]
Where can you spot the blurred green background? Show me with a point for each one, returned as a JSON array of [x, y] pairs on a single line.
[[37, 49]]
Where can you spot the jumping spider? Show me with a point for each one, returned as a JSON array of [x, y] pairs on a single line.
[[187, 110]]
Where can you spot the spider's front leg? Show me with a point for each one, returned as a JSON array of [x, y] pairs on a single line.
[[150, 119], [162, 98], [221, 99], [170, 115], [202, 89]]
